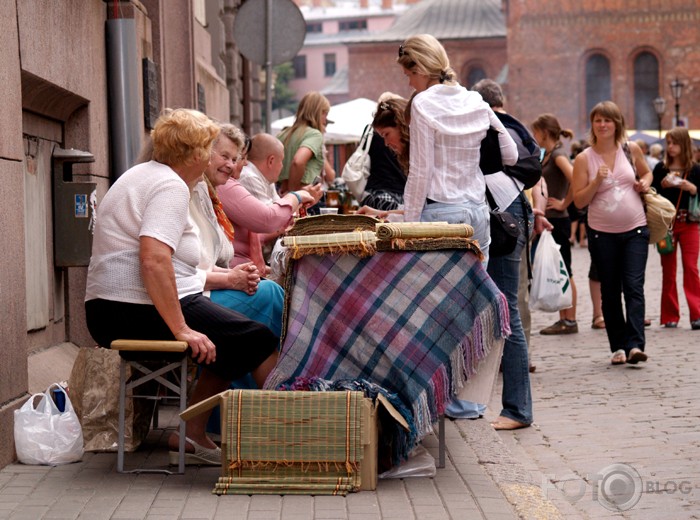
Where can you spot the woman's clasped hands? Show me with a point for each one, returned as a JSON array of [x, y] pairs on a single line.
[[244, 277]]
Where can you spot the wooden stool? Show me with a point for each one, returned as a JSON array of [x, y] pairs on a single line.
[[172, 355]]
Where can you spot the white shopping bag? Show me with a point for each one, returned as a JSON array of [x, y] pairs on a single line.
[[551, 287], [46, 435]]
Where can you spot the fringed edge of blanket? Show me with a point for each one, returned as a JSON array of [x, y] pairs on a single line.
[[340, 486], [317, 466], [490, 326], [430, 244], [361, 250]]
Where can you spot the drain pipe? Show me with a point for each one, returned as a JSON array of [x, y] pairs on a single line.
[[125, 125]]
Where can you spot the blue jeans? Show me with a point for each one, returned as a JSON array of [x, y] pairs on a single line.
[[505, 272], [476, 215], [621, 259]]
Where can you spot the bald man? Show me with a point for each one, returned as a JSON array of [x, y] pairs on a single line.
[[264, 167]]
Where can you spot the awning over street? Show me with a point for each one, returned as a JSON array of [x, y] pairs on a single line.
[[349, 120]]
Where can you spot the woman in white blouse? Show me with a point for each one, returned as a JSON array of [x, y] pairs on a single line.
[[447, 124]]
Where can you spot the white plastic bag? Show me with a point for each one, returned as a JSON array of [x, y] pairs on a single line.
[[45, 435], [420, 463], [356, 169], [551, 287]]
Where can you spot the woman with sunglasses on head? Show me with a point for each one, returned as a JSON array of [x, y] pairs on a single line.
[[677, 179], [447, 123]]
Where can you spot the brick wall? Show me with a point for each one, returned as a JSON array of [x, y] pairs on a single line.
[[549, 41], [374, 69]]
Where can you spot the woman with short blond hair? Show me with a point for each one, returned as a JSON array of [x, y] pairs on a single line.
[[142, 281]]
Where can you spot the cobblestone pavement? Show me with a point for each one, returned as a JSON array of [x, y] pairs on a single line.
[[614, 436]]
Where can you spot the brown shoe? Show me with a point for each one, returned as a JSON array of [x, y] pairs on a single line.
[[560, 327]]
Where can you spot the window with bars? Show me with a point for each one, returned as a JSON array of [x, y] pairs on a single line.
[[352, 25], [598, 84], [329, 65], [646, 89], [299, 65]]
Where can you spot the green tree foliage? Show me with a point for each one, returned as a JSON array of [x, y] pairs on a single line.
[[283, 98]]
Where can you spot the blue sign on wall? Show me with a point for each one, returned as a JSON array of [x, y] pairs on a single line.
[[81, 206]]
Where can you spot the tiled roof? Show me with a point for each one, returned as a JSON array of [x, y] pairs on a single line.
[[446, 20], [338, 83]]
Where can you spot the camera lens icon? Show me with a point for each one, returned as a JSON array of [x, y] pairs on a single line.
[[619, 487]]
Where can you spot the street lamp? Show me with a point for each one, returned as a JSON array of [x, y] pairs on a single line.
[[677, 92], [660, 109]]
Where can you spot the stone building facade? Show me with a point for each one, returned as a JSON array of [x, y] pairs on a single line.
[[55, 74]]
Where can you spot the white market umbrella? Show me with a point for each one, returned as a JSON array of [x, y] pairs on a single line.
[[349, 120]]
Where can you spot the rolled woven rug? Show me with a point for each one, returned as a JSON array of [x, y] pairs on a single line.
[[357, 242], [323, 224], [423, 230]]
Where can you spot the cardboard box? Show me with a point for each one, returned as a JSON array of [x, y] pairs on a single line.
[[290, 425]]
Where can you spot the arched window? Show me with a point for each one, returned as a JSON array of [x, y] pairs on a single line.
[[597, 81], [646, 88], [475, 75]]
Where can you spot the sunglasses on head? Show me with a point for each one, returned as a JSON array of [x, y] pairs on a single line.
[[402, 52]]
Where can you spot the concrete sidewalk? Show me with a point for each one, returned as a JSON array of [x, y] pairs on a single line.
[[479, 479]]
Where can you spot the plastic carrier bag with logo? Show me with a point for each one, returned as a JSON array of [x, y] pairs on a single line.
[[551, 287]]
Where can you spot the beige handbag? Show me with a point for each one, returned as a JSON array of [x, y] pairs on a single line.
[[661, 213]]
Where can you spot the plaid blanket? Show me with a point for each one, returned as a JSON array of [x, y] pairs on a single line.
[[417, 324]]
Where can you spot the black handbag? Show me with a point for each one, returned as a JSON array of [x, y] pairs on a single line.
[[504, 233], [490, 160]]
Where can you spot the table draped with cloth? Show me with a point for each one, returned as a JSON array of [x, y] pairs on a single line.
[[415, 325]]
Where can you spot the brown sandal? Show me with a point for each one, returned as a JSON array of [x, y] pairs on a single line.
[[598, 323]]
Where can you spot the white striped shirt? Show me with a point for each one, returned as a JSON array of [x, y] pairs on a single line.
[[447, 126]]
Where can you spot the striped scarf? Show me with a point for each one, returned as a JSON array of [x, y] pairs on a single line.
[[221, 217]]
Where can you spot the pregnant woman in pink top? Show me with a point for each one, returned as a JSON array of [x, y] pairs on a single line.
[[605, 180]]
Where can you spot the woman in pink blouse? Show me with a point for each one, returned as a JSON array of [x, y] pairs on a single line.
[[608, 178], [252, 218]]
